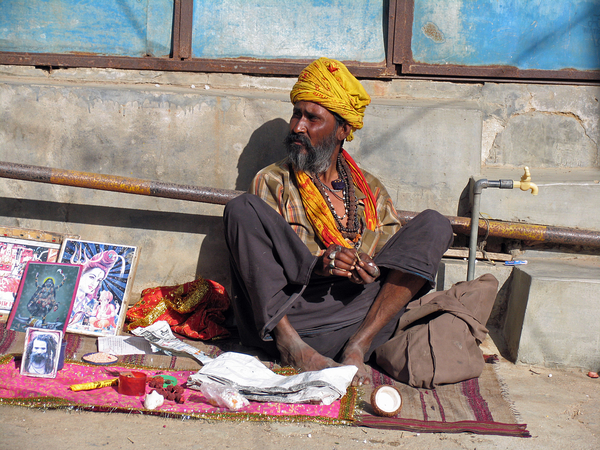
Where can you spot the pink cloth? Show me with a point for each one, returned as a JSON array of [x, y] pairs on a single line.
[[27, 391]]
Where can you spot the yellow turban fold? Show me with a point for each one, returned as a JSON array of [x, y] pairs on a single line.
[[330, 84]]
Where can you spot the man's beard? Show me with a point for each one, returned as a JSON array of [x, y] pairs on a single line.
[[315, 159], [38, 358]]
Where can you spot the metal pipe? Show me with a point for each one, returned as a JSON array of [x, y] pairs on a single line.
[[460, 225], [520, 231], [116, 183], [477, 189]]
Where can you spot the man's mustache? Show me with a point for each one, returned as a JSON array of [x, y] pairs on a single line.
[[38, 357], [295, 138]]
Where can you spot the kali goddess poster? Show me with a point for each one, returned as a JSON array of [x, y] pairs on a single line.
[[45, 296]]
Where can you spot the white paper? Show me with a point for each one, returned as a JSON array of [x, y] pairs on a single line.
[[256, 382], [124, 345], [159, 334]]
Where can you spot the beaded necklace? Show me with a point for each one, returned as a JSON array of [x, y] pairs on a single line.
[[352, 230]]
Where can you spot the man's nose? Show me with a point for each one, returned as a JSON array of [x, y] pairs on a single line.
[[299, 126]]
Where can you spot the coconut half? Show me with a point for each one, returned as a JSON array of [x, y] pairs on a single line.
[[386, 401]]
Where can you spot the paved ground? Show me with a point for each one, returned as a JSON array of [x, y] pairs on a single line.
[[562, 411]]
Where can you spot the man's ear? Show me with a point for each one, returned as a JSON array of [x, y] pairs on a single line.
[[343, 131]]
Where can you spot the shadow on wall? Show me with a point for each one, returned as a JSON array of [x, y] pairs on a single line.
[[264, 147], [140, 224]]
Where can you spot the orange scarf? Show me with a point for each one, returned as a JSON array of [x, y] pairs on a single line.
[[319, 214]]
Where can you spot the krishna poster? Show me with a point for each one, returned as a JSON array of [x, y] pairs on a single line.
[[106, 278]]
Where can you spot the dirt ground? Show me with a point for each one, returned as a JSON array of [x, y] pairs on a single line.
[[561, 411]]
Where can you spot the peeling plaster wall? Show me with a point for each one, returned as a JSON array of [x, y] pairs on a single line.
[[423, 139], [541, 126]]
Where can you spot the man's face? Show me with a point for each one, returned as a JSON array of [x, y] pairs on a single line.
[[38, 352], [312, 139]]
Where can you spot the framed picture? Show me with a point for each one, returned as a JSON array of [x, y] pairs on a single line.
[[41, 353], [106, 279], [45, 296], [14, 255]]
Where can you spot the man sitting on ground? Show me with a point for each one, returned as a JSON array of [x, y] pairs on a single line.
[[320, 262]]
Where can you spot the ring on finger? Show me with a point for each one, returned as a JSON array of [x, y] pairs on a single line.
[[332, 263], [332, 254], [330, 271]]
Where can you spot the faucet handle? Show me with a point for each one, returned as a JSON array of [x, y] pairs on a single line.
[[525, 184]]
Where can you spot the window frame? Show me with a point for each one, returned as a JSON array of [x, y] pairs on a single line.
[[398, 63], [403, 58]]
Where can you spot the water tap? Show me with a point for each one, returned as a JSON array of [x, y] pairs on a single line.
[[525, 184]]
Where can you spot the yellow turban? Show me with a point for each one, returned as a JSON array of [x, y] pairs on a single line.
[[330, 84]]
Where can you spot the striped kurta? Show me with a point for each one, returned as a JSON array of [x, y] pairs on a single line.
[[276, 185]]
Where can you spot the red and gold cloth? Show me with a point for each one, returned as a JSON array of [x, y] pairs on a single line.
[[195, 309], [319, 214]]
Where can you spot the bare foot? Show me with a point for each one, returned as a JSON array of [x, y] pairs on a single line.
[[354, 355], [303, 357]]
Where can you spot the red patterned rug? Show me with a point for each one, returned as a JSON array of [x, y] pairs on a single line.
[[479, 405]]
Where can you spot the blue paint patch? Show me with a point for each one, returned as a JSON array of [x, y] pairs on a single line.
[[110, 27], [300, 29], [536, 34]]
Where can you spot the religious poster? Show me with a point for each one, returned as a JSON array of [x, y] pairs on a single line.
[[41, 354], [106, 279], [14, 255], [45, 296]]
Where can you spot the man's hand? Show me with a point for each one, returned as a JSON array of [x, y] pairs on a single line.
[[336, 261], [366, 271], [345, 262]]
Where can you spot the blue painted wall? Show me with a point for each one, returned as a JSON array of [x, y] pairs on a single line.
[[104, 27], [528, 34], [341, 29]]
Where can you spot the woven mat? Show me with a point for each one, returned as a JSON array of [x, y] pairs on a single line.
[[478, 406]]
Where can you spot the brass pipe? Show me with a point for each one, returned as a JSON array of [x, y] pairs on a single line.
[[461, 225]]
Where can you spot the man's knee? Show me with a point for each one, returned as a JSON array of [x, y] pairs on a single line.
[[238, 208], [437, 224]]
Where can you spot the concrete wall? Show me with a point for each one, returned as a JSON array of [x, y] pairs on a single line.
[[423, 139]]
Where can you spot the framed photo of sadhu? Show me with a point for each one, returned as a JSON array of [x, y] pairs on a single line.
[[41, 354], [45, 297], [106, 279]]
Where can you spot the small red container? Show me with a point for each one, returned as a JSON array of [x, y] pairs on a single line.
[[132, 383]]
